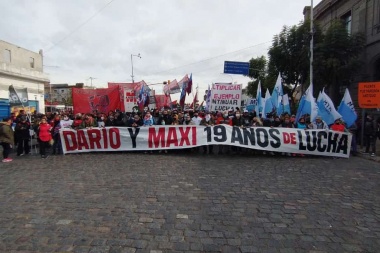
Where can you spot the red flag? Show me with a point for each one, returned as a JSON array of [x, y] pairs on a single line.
[[190, 84], [172, 87], [162, 101], [101, 100], [195, 100]]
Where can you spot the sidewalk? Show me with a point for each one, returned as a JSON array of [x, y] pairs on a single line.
[[367, 156]]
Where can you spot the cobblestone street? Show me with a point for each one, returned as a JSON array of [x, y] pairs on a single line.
[[133, 202]]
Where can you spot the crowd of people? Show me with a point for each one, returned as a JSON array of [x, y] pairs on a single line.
[[45, 127]]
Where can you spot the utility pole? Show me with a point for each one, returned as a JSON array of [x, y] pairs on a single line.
[[137, 55], [91, 78]]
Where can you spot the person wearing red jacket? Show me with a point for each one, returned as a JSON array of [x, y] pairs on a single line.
[[338, 126], [44, 136]]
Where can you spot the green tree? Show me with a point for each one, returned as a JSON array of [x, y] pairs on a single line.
[[336, 59], [257, 72], [289, 55]]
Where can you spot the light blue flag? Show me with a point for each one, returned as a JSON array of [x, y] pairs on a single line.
[[347, 109], [307, 105], [285, 104], [259, 100], [277, 95], [303, 106], [327, 109], [251, 104], [268, 105]]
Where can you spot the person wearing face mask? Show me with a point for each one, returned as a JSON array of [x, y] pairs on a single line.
[[208, 121], [101, 121], [148, 119], [238, 120], [222, 119], [77, 122], [196, 119], [66, 122]]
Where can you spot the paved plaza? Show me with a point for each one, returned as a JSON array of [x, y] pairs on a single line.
[[134, 202]]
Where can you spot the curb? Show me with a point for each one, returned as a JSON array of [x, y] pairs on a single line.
[[368, 157]]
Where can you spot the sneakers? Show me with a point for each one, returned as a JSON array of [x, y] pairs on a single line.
[[373, 154], [7, 160], [44, 156]]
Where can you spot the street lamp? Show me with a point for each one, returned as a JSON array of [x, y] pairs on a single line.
[[137, 55]]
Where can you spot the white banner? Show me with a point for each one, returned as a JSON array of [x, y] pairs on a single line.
[[313, 142], [130, 100], [225, 97]]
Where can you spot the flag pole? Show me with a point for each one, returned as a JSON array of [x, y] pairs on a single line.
[[311, 41]]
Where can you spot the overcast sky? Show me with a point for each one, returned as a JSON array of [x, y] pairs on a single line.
[[95, 38]]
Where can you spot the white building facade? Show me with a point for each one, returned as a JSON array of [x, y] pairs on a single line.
[[22, 68]]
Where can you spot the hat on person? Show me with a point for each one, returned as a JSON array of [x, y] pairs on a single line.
[[318, 117], [245, 110]]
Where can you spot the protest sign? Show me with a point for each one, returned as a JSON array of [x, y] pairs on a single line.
[[313, 142], [225, 97]]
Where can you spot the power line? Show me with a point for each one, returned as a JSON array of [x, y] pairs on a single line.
[[80, 26], [214, 57]]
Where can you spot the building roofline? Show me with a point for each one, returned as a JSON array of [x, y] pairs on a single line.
[[323, 6], [20, 47]]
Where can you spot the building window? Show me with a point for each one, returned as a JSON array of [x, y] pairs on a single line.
[[347, 21], [7, 56], [31, 61]]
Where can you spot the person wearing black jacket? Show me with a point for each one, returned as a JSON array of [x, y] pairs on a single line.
[[237, 121], [22, 136], [165, 119], [136, 121], [370, 135]]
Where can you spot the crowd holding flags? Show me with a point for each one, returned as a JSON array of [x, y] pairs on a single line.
[[278, 103]]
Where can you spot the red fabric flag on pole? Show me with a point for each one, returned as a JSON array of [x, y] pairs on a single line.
[[193, 105], [190, 84]]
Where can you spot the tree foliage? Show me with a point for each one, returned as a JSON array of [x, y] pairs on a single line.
[[257, 72], [290, 54], [337, 59]]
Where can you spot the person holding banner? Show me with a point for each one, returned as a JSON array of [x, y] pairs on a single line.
[[318, 123], [148, 119], [208, 121], [88, 122], [6, 139], [338, 126]]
